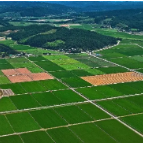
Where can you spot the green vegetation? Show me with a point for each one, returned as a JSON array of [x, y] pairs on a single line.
[[36, 137], [124, 106], [85, 40], [22, 122], [5, 126], [135, 122], [24, 101], [6, 105], [47, 118], [67, 135], [76, 82]]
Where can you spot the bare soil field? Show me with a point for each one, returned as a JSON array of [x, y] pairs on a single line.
[[24, 75], [40, 76]]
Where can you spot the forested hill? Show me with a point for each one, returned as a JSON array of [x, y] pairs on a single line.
[[123, 19], [61, 38]]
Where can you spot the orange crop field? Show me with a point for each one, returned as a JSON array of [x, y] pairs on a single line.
[[113, 78]]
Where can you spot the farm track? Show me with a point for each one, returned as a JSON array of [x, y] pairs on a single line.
[[67, 104], [86, 101], [114, 117], [46, 129]]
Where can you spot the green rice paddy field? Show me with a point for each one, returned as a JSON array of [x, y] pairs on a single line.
[[68, 109]]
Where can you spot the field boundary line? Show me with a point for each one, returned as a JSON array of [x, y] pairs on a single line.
[[43, 107], [117, 97], [46, 129], [114, 117]]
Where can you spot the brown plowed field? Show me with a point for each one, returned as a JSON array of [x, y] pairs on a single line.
[[113, 78], [23, 71], [9, 72], [40, 76], [19, 78]]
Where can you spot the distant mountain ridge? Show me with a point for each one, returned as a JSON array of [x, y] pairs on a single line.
[[100, 5], [34, 8]]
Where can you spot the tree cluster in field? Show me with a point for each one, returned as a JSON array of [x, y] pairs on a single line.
[[6, 51], [122, 19], [70, 39]]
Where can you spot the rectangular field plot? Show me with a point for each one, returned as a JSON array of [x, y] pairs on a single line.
[[48, 66], [128, 50], [11, 139], [81, 73], [119, 132], [39, 58], [75, 66], [33, 86], [94, 71], [4, 80], [110, 70], [64, 61], [129, 88], [20, 47], [63, 74], [76, 82], [138, 58], [123, 106], [68, 96], [56, 57], [24, 63], [95, 62], [76, 56], [73, 114], [5, 66], [24, 101], [113, 78], [6, 104], [47, 118], [94, 112], [15, 87], [140, 70], [107, 55], [52, 84], [63, 135], [90, 133], [99, 92], [47, 99], [128, 62], [22, 122], [5, 127], [36, 137], [135, 121]]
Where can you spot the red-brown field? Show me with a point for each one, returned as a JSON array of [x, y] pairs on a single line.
[[23, 71], [113, 78], [19, 78], [40, 76], [24, 75], [9, 72]]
